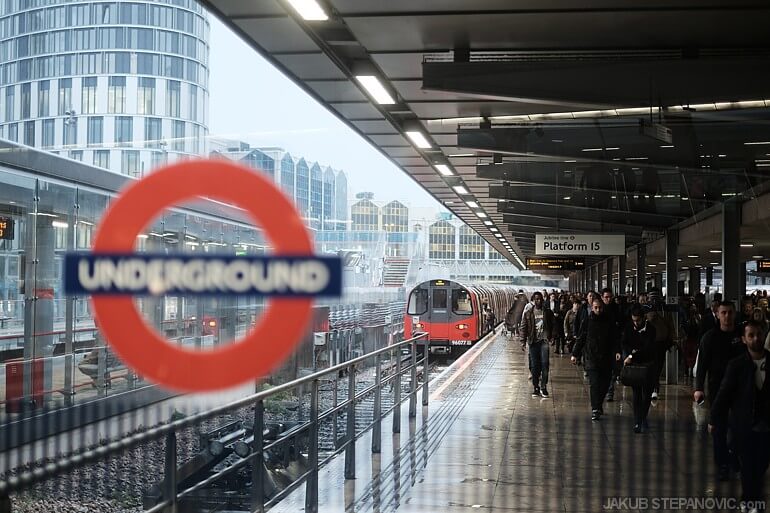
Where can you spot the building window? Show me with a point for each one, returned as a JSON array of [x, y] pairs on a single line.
[[193, 102], [365, 216], [70, 132], [173, 98], [130, 163], [146, 95], [124, 130], [89, 95], [48, 133], [471, 245], [95, 130], [178, 135], [116, 95], [13, 132], [26, 100], [158, 158], [43, 96], [65, 96], [29, 133], [441, 238], [76, 155], [10, 102], [152, 132], [102, 158]]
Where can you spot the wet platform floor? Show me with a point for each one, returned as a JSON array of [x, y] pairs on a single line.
[[484, 443]]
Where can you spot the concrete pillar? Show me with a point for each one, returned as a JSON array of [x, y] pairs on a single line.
[[694, 280], [641, 263], [742, 281], [731, 263], [672, 242]]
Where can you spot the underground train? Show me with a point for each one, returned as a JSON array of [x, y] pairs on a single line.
[[451, 313]]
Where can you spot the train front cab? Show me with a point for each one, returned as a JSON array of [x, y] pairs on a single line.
[[446, 311]]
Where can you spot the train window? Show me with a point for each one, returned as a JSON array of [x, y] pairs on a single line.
[[461, 302], [439, 299], [418, 302]]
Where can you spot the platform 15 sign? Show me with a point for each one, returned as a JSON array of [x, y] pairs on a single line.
[[574, 244]]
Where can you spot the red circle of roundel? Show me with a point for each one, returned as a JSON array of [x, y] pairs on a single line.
[[281, 326]]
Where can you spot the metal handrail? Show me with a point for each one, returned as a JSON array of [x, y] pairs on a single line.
[[171, 496]]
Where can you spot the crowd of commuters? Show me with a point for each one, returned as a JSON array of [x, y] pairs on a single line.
[[724, 350]]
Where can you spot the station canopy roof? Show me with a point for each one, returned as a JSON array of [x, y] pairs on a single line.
[[621, 116]]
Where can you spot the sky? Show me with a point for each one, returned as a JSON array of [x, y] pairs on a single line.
[[252, 101]]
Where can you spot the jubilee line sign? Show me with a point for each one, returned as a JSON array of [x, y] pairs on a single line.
[[580, 244]]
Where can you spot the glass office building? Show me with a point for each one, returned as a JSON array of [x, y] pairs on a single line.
[[120, 85]]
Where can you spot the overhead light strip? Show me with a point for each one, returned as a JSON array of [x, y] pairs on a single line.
[[631, 111], [419, 139], [310, 10], [375, 89]]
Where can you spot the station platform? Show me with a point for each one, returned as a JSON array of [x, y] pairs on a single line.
[[484, 443]]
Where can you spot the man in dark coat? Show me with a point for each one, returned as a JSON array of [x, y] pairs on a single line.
[[717, 348], [744, 401], [537, 330], [638, 342], [599, 345]]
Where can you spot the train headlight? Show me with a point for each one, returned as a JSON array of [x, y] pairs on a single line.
[[462, 326], [418, 325], [212, 324]]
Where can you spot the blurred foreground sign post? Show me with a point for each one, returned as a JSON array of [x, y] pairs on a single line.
[[114, 273]]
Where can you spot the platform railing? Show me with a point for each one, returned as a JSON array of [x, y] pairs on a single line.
[[171, 494]]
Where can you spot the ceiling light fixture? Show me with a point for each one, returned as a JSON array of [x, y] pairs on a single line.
[[418, 138], [444, 169], [481, 214], [310, 10], [715, 251], [460, 189], [493, 229], [600, 149], [489, 223], [472, 204], [375, 89], [747, 245]]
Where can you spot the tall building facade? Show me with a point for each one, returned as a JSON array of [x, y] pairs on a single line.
[[121, 85], [319, 192]]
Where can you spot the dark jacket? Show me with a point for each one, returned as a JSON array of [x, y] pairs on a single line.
[[639, 343], [580, 318], [598, 342], [707, 323], [528, 331], [737, 398], [717, 348]]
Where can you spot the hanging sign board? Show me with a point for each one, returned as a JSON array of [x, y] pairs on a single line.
[[571, 244], [556, 264], [115, 272], [763, 266]]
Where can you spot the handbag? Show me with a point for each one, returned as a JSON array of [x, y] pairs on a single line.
[[634, 374]]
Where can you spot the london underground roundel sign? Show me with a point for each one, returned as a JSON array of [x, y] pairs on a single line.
[[113, 273]]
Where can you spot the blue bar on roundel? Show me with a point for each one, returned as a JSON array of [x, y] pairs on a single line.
[[145, 274]]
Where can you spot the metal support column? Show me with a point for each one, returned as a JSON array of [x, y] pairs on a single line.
[[731, 263], [672, 242], [694, 279], [621, 275], [641, 263], [609, 269]]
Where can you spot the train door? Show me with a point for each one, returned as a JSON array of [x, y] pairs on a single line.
[[439, 310]]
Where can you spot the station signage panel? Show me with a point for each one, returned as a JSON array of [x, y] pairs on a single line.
[[556, 264], [6, 228], [763, 266], [580, 244]]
